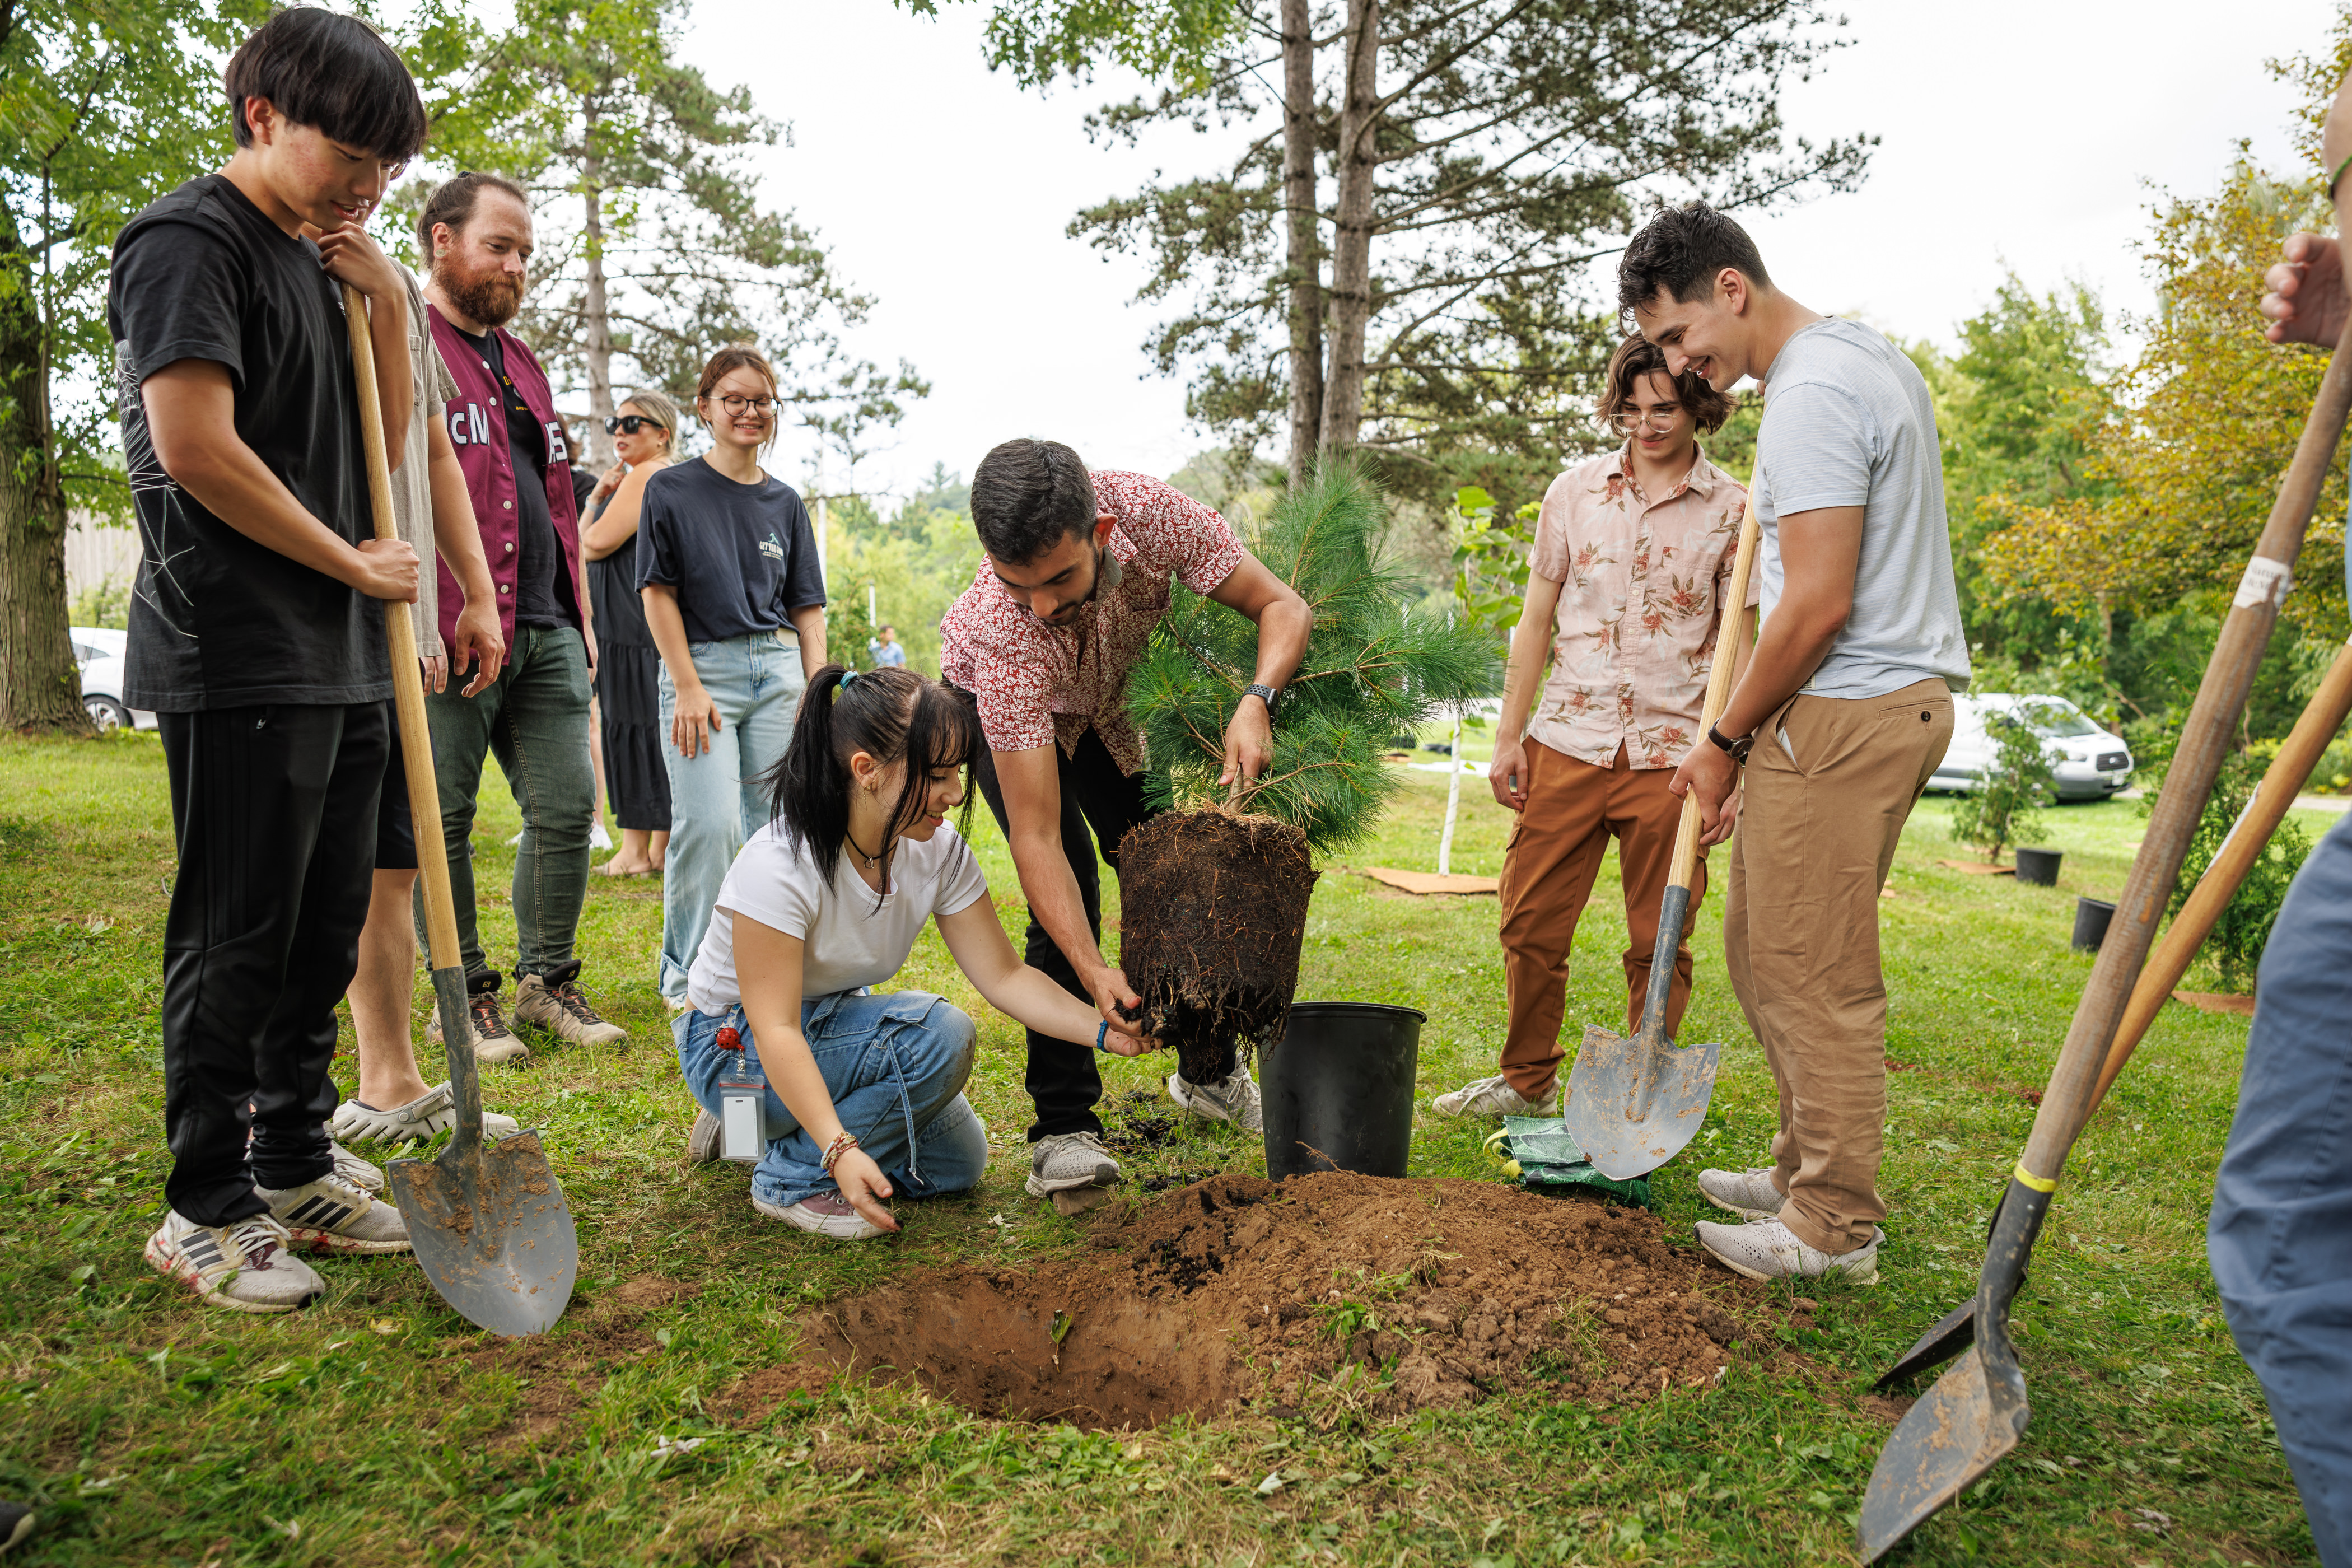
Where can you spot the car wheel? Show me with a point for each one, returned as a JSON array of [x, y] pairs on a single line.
[[107, 713]]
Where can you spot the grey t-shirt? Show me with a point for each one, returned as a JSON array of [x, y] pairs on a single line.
[[412, 482], [1848, 422]]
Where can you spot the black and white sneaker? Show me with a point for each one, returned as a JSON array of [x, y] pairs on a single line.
[[338, 1215], [244, 1267]]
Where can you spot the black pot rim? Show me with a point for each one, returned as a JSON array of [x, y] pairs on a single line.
[[2083, 898], [1374, 1007], [2023, 850]]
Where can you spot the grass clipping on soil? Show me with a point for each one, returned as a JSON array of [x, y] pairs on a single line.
[[1333, 1289]]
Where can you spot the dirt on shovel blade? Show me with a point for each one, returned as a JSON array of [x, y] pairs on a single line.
[[1383, 1296]]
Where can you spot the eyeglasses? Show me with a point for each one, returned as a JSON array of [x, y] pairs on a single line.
[[630, 424], [1627, 424], [736, 406]]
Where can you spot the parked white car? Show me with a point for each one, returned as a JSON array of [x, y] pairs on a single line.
[[2091, 764], [101, 653]]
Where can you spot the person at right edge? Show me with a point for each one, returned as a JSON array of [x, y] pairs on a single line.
[[1841, 714], [2280, 1238]]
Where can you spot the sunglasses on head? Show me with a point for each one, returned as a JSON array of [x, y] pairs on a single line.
[[629, 423]]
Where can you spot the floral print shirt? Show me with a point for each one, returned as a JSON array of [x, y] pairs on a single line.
[[1036, 684], [1635, 630]]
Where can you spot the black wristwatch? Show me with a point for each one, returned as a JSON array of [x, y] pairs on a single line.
[[1266, 694], [1735, 749]]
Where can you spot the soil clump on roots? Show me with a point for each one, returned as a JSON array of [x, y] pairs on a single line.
[[1335, 1292], [1212, 912]]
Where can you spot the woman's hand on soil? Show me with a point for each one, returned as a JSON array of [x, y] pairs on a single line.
[[866, 1188], [1111, 993], [693, 722], [2305, 303]]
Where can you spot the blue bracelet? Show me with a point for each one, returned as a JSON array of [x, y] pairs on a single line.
[[1102, 1033]]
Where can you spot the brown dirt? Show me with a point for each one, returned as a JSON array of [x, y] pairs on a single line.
[[562, 1370], [1214, 906], [1388, 1295]]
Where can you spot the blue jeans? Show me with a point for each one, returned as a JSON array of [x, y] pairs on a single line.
[[714, 805], [2280, 1238], [896, 1067]]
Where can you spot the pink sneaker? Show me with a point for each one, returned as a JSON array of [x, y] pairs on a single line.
[[827, 1213]]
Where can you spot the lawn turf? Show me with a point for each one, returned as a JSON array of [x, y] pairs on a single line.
[[376, 1428]]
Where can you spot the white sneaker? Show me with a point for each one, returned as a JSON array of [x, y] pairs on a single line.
[[354, 1170], [1750, 1194], [1768, 1249], [244, 1267], [1494, 1096], [1232, 1098], [826, 1213], [1064, 1162], [433, 1112], [706, 1140], [338, 1215]]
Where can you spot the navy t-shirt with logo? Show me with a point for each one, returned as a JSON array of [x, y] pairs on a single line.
[[742, 557]]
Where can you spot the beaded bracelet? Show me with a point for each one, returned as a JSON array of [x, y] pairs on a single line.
[[843, 1143]]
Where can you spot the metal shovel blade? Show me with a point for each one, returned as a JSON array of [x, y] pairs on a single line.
[[1976, 1411], [1633, 1103]]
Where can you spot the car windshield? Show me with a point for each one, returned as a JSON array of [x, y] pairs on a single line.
[[2050, 721]]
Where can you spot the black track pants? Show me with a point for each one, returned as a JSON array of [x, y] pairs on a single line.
[[275, 813]]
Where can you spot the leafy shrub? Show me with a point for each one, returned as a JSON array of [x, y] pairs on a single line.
[[2235, 946], [2012, 789]]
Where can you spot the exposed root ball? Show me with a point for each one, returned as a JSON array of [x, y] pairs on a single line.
[[1212, 908]]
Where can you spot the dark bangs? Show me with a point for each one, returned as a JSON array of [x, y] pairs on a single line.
[[333, 73]]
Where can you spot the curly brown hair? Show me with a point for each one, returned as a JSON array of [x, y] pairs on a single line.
[[1637, 357]]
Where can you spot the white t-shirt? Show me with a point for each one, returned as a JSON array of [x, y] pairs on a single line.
[[847, 942]]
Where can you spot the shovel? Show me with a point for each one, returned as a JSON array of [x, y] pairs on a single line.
[[2288, 771], [488, 1220], [1978, 1410], [1634, 1104]]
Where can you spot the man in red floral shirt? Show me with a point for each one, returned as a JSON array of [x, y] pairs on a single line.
[[1630, 553], [1076, 576]]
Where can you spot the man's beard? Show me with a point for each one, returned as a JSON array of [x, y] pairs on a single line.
[[490, 299], [1107, 573]]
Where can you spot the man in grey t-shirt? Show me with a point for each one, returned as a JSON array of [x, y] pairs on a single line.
[[1846, 701]]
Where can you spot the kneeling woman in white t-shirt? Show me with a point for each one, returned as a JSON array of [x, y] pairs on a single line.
[[865, 1094]]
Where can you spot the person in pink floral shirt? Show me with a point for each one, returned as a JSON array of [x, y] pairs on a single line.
[[1078, 572], [1632, 551]]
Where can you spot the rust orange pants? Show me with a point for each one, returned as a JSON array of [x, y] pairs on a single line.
[[1574, 809]]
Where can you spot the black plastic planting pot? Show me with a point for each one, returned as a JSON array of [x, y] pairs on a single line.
[[1337, 1088], [2091, 918], [2039, 867]]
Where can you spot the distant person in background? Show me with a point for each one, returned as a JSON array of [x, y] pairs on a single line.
[[735, 600], [628, 666], [535, 716], [888, 652]]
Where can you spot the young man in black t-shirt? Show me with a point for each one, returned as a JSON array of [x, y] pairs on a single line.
[[257, 636]]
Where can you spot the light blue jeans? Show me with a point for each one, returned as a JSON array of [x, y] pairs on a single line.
[[714, 803], [896, 1067]]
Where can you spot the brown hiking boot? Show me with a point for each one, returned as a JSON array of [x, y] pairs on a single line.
[[493, 1041], [554, 1002]]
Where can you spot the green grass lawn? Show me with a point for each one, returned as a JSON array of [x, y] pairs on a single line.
[[376, 1428]]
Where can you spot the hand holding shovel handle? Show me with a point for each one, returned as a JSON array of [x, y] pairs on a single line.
[[1977, 1409]]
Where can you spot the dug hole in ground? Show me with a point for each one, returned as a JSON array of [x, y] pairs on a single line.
[[1321, 1292]]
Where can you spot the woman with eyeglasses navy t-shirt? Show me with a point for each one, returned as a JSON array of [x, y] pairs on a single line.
[[735, 598]]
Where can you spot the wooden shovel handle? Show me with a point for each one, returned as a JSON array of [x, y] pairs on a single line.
[[2213, 722], [1719, 677], [407, 679], [2282, 782]]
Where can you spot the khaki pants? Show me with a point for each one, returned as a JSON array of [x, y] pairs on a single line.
[[1574, 809], [1829, 786]]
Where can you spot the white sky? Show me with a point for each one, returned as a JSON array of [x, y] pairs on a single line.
[[2021, 134]]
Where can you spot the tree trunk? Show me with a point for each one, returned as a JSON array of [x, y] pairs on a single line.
[[41, 686], [596, 322], [1351, 240], [1298, 195]]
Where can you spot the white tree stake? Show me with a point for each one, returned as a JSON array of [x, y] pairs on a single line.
[[1453, 799]]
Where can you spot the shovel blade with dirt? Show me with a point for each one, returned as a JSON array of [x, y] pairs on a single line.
[[1633, 1102], [488, 1221], [1978, 1410]]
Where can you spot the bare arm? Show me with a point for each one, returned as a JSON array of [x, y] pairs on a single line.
[[770, 963], [695, 718], [191, 421], [809, 621], [1283, 622], [618, 523], [1028, 996], [479, 641], [1031, 784], [1506, 776], [352, 256]]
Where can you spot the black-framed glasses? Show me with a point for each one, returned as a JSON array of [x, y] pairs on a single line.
[[736, 406], [630, 424]]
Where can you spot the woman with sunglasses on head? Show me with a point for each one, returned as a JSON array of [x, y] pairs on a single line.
[[864, 1094], [628, 670], [735, 599]]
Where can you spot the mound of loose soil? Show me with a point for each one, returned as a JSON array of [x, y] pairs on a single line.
[[1396, 1295], [1212, 908]]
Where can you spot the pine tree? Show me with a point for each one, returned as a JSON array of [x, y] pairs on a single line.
[[1373, 669]]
